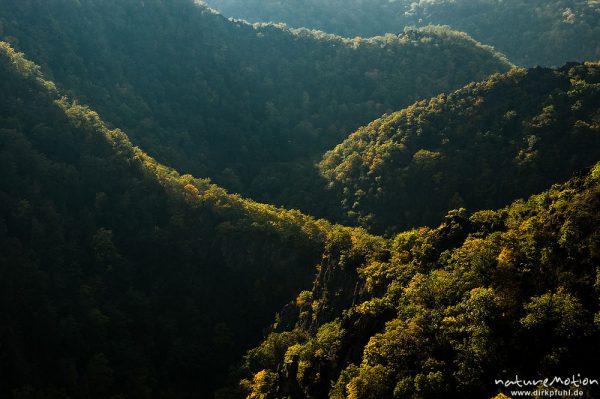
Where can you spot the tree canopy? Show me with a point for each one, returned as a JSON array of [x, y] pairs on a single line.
[[529, 32], [119, 276], [131, 267], [480, 147], [223, 99], [443, 312]]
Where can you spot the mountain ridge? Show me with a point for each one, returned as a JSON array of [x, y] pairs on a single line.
[[124, 277], [111, 262], [220, 99], [443, 312], [531, 33], [522, 130]]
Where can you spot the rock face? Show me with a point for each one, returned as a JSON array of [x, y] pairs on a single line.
[[337, 288], [439, 312]]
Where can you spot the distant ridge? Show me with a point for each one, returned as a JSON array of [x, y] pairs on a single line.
[[530, 32], [224, 99]]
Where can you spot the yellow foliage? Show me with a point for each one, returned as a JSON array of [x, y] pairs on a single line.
[[304, 298], [505, 257], [261, 384]]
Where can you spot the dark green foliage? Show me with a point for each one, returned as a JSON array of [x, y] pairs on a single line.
[[122, 278], [481, 147], [448, 310], [118, 275], [251, 107], [530, 32]]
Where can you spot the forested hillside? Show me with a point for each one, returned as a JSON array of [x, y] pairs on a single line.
[[133, 264], [443, 312], [530, 32], [480, 147], [249, 106], [120, 278]]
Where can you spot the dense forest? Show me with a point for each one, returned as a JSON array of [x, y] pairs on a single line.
[[442, 312], [222, 99], [171, 180], [529, 32], [480, 147], [118, 275]]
